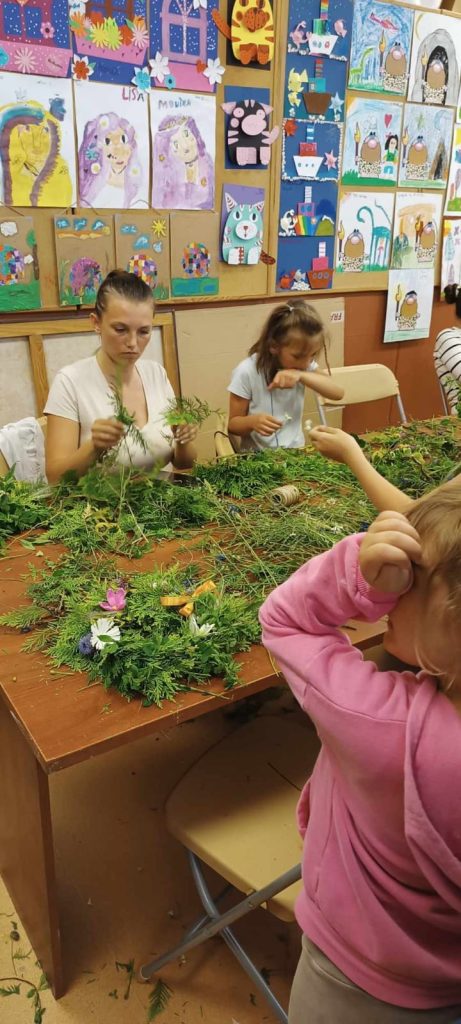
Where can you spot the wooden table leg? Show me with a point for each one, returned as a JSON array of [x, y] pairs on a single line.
[[26, 847]]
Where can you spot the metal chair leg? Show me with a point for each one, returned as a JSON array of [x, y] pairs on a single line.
[[401, 409]]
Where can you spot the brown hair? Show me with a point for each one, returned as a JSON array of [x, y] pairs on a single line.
[[128, 286], [437, 518], [452, 295], [296, 315]]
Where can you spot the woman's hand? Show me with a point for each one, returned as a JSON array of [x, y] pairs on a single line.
[[335, 444], [387, 552], [285, 379], [106, 434], [264, 424], [185, 433]]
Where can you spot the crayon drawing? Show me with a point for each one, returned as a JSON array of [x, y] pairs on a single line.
[[306, 236], [416, 230], [110, 41], [183, 44], [426, 142], [322, 28], [37, 155], [453, 199], [194, 254], [311, 150], [113, 147], [315, 88], [450, 272], [380, 48], [84, 256], [409, 304], [34, 37], [142, 247], [19, 270], [372, 142], [435, 67], [183, 153], [363, 236]]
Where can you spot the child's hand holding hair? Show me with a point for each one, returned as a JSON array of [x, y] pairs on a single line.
[[387, 552]]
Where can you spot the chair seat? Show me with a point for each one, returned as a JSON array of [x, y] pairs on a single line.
[[240, 798]]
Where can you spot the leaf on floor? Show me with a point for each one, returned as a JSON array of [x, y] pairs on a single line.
[[158, 999]]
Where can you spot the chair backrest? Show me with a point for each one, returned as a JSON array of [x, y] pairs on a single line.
[[35, 464], [224, 442], [365, 383]]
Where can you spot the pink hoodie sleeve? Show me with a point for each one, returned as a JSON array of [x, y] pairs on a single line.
[[300, 621]]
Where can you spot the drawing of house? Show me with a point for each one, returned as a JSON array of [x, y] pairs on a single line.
[[184, 31], [22, 23], [27, 36]]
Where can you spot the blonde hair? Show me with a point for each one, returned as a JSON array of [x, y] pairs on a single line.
[[289, 316], [437, 519]]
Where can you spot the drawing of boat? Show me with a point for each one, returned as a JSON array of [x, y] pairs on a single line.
[[321, 45], [320, 278], [316, 98], [307, 166]]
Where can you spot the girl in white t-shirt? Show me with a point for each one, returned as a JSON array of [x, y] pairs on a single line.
[[81, 423], [267, 389]]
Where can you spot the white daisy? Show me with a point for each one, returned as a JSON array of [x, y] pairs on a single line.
[[102, 631], [197, 630], [159, 67], [214, 71]]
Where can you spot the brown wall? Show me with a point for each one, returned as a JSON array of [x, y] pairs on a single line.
[[411, 361]]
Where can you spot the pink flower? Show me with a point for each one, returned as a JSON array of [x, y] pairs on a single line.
[[46, 30], [24, 60], [116, 600]]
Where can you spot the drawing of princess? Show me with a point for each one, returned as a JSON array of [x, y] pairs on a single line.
[[109, 171], [183, 171], [33, 172]]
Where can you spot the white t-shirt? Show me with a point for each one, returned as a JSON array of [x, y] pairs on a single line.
[[248, 382], [80, 392], [447, 359]]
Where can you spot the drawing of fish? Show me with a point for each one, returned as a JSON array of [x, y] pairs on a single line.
[[340, 28], [383, 22]]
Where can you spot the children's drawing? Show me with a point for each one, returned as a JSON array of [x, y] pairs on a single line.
[[242, 224], [372, 142], [194, 254], [310, 150], [37, 156], [409, 304], [453, 199], [113, 149], [250, 30], [435, 68], [426, 141], [84, 255], [249, 135], [110, 40], [142, 246], [306, 236], [416, 229], [183, 44], [315, 88], [34, 37], [183, 162], [380, 48], [322, 28], [450, 272], [19, 270], [363, 235]]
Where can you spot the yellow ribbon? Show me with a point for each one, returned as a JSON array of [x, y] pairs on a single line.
[[185, 602]]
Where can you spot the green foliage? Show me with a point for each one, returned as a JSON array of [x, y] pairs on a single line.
[[187, 410], [22, 506], [158, 1000], [123, 416], [243, 476]]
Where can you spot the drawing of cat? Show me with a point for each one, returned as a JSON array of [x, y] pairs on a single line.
[[243, 232]]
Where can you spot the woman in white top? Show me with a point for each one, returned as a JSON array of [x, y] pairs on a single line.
[[80, 407], [447, 354]]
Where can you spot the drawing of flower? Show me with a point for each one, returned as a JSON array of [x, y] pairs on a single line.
[[200, 3], [126, 34], [82, 69], [115, 600], [159, 67], [113, 36], [140, 34], [46, 30], [4, 58], [98, 35], [214, 71], [170, 82], [290, 127], [102, 632], [141, 79], [24, 60], [78, 27]]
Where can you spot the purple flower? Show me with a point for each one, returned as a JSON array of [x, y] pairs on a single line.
[[85, 646], [115, 600]]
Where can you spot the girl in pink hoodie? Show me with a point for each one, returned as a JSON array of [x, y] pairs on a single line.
[[380, 907]]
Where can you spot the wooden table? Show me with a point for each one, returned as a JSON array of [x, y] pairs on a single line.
[[52, 720]]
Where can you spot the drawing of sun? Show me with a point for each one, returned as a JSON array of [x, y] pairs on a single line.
[[159, 228]]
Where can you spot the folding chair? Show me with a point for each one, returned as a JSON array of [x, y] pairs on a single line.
[[225, 444], [234, 811], [366, 383]]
